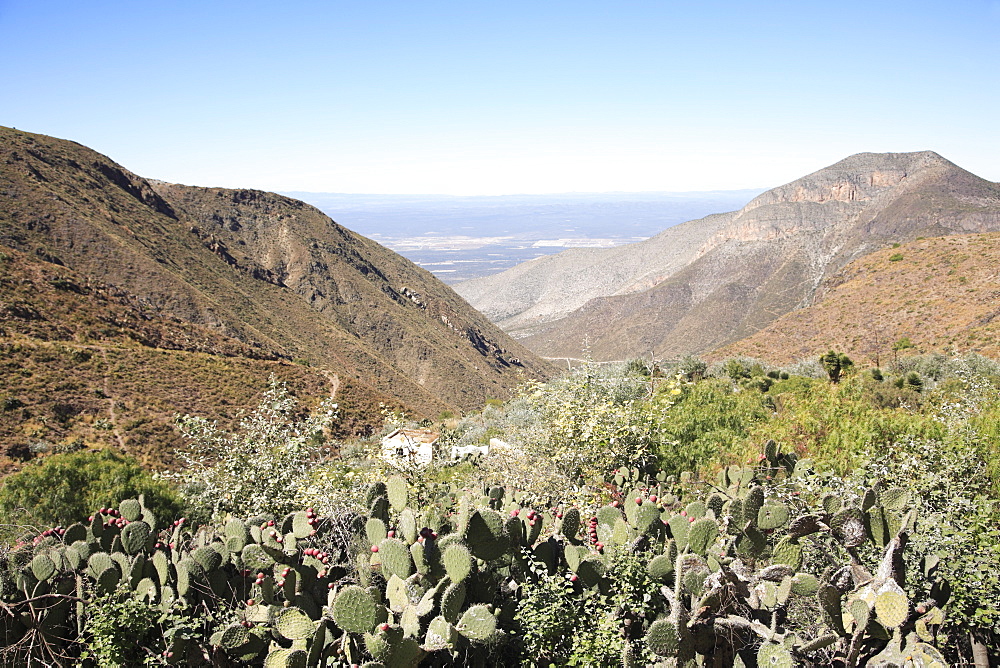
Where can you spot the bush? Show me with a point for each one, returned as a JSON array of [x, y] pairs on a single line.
[[708, 420], [957, 521], [264, 467], [64, 488]]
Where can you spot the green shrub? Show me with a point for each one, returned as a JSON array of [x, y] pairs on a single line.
[[65, 488], [707, 421], [118, 631]]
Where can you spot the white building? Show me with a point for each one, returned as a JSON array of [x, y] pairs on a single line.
[[413, 447]]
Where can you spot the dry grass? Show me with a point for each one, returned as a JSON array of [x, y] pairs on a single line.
[[940, 293]]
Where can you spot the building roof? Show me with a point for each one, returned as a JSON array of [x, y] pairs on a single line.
[[415, 435]]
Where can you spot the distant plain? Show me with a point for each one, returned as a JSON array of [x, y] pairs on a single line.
[[459, 238]]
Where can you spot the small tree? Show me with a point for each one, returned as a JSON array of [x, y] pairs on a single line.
[[902, 344], [835, 364]]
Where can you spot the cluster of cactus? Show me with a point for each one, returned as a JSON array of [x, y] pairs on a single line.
[[435, 575], [262, 571], [735, 563]]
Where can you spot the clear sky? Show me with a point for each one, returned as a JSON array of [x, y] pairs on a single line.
[[483, 97]]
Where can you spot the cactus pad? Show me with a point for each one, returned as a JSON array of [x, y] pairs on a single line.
[[42, 567], [751, 544], [772, 516], [375, 530], [294, 624], [679, 529], [457, 562], [395, 594], [646, 516], [300, 526], [776, 656], [570, 523], [788, 551], [452, 601], [440, 635], [591, 570], [408, 526], [849, 526], [696, 509], [130, 509], [660, 568], [484, 534], [354, 610], [804, 584], [395, 558], [397, 490], [100, 562], [207, 557], [895, 498], [804, 525], [286, 658], [134, 537], [892, 607], [74, 533], [702, 534], [233, 636], [662, 638], [830, 600], [860, 612], [477, 623], [608, 515], [256, 557]]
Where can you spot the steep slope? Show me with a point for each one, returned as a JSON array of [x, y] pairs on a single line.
[[270, 272], [770, 257], [939, 294]]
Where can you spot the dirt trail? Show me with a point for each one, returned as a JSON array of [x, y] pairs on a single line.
[[111, 400]]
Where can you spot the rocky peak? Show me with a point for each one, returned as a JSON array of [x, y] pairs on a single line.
[[857, 178]]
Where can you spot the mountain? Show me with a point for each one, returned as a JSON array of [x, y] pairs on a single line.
[[930, 295], [709, 282], [263, 277]]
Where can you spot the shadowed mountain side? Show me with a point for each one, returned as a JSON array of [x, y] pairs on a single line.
[[770, 257], [266, 270], [940, 294]]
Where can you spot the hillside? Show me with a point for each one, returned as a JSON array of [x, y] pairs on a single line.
[[940, 293], [719, 279], [263, 277], [85, 364]]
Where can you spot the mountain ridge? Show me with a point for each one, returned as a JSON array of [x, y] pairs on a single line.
[[273, 273], [757, 263]]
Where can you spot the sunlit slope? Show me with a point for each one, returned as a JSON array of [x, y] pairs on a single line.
[[936, 295], [271, 274]]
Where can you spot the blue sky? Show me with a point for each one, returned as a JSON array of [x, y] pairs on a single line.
[[500, 98]]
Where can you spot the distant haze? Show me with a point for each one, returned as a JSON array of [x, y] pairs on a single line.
[[458, 238]]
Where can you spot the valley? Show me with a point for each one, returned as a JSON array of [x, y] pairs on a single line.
[[460, 238]]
